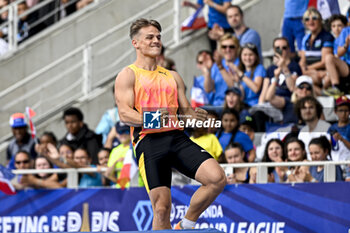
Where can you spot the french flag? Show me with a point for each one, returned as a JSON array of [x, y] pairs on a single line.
[[194, 21], [198, 95], [5, 185], [30, 114], [327, 8], [129, 168]]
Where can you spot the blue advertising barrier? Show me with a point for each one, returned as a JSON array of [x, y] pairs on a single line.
[[268, 208]]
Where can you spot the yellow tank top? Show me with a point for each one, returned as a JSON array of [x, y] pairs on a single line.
[[154, 90]]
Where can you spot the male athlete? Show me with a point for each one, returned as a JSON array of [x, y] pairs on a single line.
[[144, 85]]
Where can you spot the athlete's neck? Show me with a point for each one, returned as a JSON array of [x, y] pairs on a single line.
[[146, 63]]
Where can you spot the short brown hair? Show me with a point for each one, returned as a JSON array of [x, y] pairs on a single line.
[[141, 23]]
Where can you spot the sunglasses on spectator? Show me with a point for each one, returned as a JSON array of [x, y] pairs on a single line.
[[249, 46], [314, 18], [305, 86], [228, 46], [23, 161], [280, 48]]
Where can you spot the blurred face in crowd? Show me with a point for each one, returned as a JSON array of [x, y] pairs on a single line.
[[204, 59], [312, 21], [103, 157], [232, 100], [66, 152], [19, 133], [81, 157], [248, 58], [303, 90], [317, 152], [22, 161], [44, 140], [343, 112], [73, 124], [42, 163], [4, 14], [229, 122], [212, 129], [234, 155], [281, 45], [234, 17], [247, 130], [336, 27], [308, 112], [275, 152], [295, 152], [124, 138], [22, 7], [228, 49]]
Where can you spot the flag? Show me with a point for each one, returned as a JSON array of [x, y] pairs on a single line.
[[327, 8], [198, 94], [30, 114], [194, 21], [5, 185], [129, 168]]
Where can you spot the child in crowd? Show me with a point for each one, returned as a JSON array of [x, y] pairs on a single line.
[[230, 133], [320, 150], [207, 141]]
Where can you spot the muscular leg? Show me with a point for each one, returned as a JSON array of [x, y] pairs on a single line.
[[213, 180], [161, 203]]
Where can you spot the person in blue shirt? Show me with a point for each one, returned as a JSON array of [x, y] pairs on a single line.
[[230, 133], [320, 149], [315, 47], [221, 72], [250, 73], [293, 27], [216, 15], [338, 69]]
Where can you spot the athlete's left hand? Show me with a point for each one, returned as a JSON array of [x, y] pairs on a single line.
[[201, 114]]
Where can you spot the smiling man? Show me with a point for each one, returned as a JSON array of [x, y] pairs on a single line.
[[143, 86]]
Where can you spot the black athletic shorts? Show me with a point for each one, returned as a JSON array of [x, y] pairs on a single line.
[[158, 153]]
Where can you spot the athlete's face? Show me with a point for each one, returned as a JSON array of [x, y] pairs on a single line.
[[148, 41]]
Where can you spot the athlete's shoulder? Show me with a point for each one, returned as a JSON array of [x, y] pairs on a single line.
[[125, 74]]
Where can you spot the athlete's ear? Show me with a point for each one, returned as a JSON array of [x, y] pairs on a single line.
[[134, 43]]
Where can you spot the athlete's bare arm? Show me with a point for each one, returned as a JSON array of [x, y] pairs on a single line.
[[124, 97], [184, 106]]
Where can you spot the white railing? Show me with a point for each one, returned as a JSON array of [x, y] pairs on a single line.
[[74, 76], [329, 170]]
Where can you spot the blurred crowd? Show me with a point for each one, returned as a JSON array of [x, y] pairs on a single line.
[[269, 114]]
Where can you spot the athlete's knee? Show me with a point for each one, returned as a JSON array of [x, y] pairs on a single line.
[[162, 212]]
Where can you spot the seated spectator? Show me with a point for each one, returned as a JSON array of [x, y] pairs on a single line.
[[3, 19], [82, 159], [216, 16], [247, 126], [42, 180], [309, 110], [44, 140], [103, 157], [207, 141], [280, 80], [274, 152], [79, 135], [234, 99], [230, 133], [22, 139], [320, 150], [234, 153], [336, 25], [315, 47], [22, 160], [295, 150], [338, 67], [221, 72], [214, 116], [340, 131]]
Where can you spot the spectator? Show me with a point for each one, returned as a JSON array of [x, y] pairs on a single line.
[[234, 153], [83, 3], [22, 160], [280, 79], [213, 115], [338, 67], [79, 135], [247, 126], [216, 16], [207, 141], [3, 19], [309, 110], [230, 133], [82, 159], [107, 122], [303, 87], [234, 99], [336, 25], [46, 138], [320, 150], [295, 150], [103, 157], [244, 34], [274, 152], [340, 131], [22, 139], [42, 180], [292, 26], [315, 47], [221, 72]]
